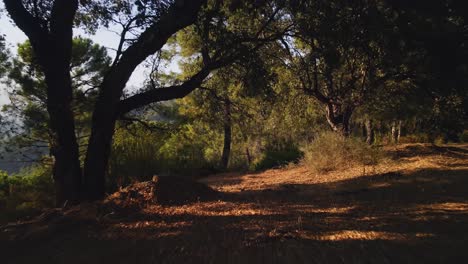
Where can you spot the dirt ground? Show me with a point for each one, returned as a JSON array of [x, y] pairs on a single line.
[[413, 208]]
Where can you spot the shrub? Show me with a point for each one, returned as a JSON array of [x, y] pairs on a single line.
[[134, 156], [440, 140], [26, 192], [277, 155], [464, 136], [330, 151], [138, 154]]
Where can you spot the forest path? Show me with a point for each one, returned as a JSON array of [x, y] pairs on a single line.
[[413, 208]]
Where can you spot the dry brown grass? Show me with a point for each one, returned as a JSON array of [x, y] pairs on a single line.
[[413, 208]]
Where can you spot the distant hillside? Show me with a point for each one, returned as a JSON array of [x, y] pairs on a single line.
[[13, 162]]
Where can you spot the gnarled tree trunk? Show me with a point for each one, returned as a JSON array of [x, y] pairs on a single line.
[[338, 118]]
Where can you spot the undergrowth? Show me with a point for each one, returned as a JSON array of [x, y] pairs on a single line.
[[330, 151]]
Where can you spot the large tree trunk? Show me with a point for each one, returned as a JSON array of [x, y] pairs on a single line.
[[107, 110], [338, 118], [51, 41], [227, 135], [54, 55], [64, 147], [98, 152]]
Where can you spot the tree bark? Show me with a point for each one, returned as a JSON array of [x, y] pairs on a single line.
[[55, 60], [227, 135], [338, 118], [109, 107], [396, 131], [64, 147], [98, 152], [52, 45], [249, 156], [369, 132]]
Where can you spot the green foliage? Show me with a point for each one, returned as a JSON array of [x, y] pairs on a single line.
[[277, 155], [26, 192], [464, 136], [189, 152], [138, 153], [275, 92], [134, 156], [341, 62], [330, 151], [4, 55], [27, 113]]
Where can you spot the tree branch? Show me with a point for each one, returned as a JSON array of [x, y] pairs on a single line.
[[162, 94], [24, 20], [179, 16]]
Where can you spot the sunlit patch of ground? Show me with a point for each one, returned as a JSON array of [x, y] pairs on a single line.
[[408, 163], [369, 235], [412, 208]]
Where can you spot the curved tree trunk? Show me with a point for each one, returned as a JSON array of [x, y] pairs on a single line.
[[99, 148], [109, 107]]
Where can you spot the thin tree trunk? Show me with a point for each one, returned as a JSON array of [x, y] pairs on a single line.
[[394, 133], [227, 135], [249, 157], [346, 121], [369, 132], [363, 130], [398, 131]]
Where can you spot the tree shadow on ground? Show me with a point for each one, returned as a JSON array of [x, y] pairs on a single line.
[[423, 150], [418, 217]]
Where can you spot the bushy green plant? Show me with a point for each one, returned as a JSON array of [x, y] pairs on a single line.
[[330, 151], [277, 155], [135, 156], [463, 137], [26, 192], [188, 153], [138, 154]]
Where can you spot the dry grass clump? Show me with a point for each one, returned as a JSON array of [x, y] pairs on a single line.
[[330, 151]]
